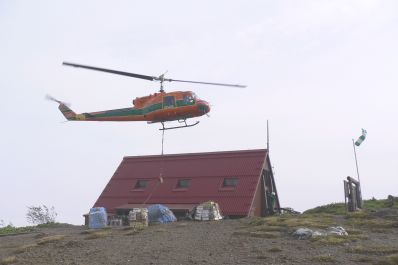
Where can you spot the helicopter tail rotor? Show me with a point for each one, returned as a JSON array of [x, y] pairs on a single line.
[[48, 97], [64, 108]]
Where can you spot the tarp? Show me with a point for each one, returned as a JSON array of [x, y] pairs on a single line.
[[97, 218], [158, 213]]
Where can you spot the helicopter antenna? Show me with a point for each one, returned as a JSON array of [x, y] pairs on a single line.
[[161, 78]]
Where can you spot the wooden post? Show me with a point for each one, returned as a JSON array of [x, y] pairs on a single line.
[[356, 160], [358, 193], [345, 195]]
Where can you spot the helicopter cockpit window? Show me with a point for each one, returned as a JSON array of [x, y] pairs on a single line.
[[168, 102], [189, 99]]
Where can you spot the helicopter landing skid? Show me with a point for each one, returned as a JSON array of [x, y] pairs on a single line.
[[178, 127]]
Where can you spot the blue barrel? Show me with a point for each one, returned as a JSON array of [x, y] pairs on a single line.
[[97, 218]]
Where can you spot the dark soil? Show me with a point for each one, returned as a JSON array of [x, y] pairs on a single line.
[[189, 242]]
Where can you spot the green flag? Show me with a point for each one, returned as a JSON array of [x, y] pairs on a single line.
[[361, 138]]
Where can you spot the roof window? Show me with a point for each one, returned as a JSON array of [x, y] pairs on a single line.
[[183, 183], [230, 182], [141, 184]]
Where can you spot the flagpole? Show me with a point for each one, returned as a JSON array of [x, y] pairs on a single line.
[[356, 160]]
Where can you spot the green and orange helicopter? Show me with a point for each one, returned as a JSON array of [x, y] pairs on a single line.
[[156, 108]]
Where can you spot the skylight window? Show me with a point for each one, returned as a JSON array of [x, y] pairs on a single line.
[[230, 182], [141, 184], [183, 183]]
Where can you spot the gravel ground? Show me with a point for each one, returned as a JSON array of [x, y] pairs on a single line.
[[188, 242]]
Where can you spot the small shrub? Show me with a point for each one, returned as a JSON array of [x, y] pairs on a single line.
[[10, 229], [41, 214]]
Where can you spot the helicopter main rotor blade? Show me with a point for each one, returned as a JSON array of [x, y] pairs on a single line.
[[146, 77], [205, 83]]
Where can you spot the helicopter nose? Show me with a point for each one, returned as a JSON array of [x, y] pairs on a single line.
[[203, 107]]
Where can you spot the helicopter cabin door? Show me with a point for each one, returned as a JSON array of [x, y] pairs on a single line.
[[169, 102]]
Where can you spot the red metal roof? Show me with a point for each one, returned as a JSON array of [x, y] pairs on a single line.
[[205, 170]]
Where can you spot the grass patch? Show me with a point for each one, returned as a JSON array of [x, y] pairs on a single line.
[[132, 230], [9, 230], [332, 208], [131, 233], [25, 248], [324, 258], [352, 231], [160, 230], [363, 259], [93, 231], [128, 228], [267, 228], [373, 250], [48, 225], [390, 260], [284, 222], [358, 215], [256, 221], [275, 249], [339, 208], [97, 234], [378, 204], [258, 234], [372, 223], [50, 239], [8, 260], [338, 240]]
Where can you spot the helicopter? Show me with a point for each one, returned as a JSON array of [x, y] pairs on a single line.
[[159, 107]]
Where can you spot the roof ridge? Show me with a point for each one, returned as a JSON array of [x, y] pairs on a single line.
[[232, 152]]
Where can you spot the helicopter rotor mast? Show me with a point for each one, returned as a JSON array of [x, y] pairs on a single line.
[[161, 78]]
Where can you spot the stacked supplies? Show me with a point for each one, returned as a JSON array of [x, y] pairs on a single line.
[[208, 211], [138, 217]]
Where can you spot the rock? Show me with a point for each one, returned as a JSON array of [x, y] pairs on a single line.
[[306, 233], [303, 233]]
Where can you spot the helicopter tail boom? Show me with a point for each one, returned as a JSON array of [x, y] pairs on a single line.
[[69, 114]]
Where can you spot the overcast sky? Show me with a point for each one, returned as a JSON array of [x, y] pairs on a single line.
[[319, 71]]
